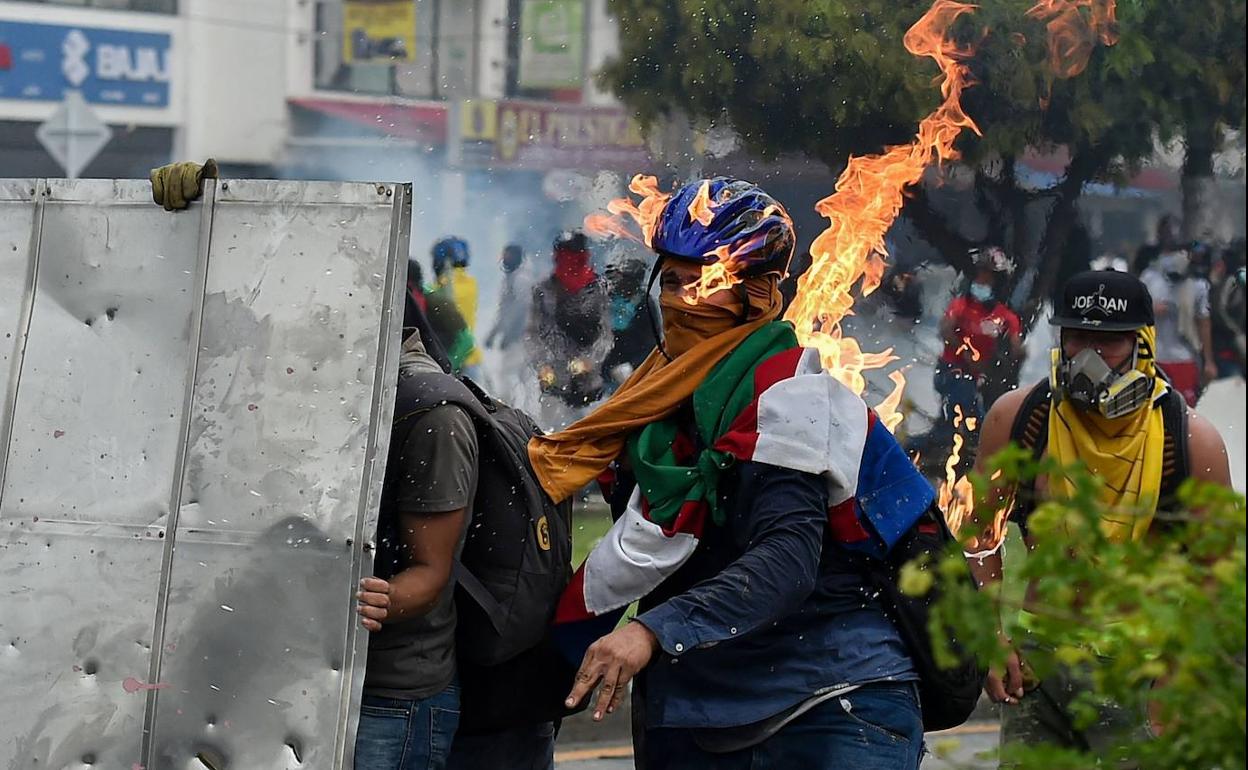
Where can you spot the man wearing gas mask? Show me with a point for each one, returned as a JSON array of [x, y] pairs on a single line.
[[1107, 405]]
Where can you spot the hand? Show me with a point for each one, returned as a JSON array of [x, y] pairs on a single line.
[[546, 376], [175, 185], [1010, 690], [578, 366], [614, 660], [374, 602], [1211, 371]]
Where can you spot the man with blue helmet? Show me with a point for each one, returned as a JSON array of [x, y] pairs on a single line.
[[748, 487]]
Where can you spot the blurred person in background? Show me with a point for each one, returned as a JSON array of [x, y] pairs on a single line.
[[447, 325], [1228, 312], [453, 281], [512, 378], [634, 321], [982, 337], [569, 332], [1179, 287]]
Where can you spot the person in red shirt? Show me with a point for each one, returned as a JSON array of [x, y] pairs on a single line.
[[981, 334]]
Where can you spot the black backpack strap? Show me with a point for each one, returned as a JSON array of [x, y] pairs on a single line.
[[1031, 425], [1030, 431], [480, 594], [1176, 465]]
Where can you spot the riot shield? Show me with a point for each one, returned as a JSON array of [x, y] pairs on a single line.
[[194, 412]]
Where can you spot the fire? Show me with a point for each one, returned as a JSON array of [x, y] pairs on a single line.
[[887, 409], [645, 215], [965, 346], [1072, 37], [869, 196], [701, 205]]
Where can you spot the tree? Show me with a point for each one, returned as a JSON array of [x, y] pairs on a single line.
[[830, 77], [1158, 626]]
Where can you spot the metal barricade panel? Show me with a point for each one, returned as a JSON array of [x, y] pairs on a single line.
[[18, 210], [197, 443], [285, 417], [90, 466]]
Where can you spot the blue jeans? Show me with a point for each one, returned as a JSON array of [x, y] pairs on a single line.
[[519, 748], [876, 727], [407, 734], [957, 388]]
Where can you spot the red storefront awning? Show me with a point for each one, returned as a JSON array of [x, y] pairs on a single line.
[[425, 122]]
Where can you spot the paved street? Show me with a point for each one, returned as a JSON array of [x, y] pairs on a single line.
[[972, 740]]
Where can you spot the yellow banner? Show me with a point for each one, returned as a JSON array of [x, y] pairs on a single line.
[[378, 31]]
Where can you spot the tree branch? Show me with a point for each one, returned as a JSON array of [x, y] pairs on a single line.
[[935, 229], [1086, 162]]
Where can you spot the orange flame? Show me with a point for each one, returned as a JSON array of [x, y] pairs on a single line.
[[966, 345], [887, 409], [869, 196], [644, 215], [701, 205], [1072, 37]]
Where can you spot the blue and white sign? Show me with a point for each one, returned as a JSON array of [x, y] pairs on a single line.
[[108, 66]]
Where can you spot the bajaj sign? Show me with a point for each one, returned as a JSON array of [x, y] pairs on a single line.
[[109, 66]]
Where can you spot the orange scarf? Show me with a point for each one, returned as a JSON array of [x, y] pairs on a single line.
[[698, 337]]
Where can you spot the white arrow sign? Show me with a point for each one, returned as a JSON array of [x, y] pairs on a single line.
[[73, 135]]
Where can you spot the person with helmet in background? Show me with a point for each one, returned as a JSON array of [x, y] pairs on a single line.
[[453, 281], [745, 483], [569, 331], [1106, 406], [1179, 287], [633, 320]]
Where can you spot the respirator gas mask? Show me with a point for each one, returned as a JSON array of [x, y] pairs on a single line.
[[1092, 386]]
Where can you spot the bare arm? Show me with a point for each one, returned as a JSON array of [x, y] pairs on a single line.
[[994, 436], [1207, 451], [987, 566], [429, 541]]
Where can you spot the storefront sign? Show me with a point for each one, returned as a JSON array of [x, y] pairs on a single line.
[[551, 43], [378, 31], [546, 135], [108, 66]]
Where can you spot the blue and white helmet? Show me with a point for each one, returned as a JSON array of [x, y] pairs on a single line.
[[710, 219]]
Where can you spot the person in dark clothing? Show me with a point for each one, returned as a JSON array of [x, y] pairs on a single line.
[[569, 331], [410, 708], [633, 324], [1228, 312]]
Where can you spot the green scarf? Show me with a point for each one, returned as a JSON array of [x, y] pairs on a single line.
[[722, 396]]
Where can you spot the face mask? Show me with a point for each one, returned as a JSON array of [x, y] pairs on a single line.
[[981, 292], [1092, 386], [686, 325]]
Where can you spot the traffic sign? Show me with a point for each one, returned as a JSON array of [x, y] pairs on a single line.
[[74, 135]]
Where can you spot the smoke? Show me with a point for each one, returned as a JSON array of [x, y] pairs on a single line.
[[487, 207]]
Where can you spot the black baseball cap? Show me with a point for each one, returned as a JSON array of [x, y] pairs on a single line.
[[1104, 300]]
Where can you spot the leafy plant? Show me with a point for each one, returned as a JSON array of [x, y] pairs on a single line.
[[1159, 623]]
